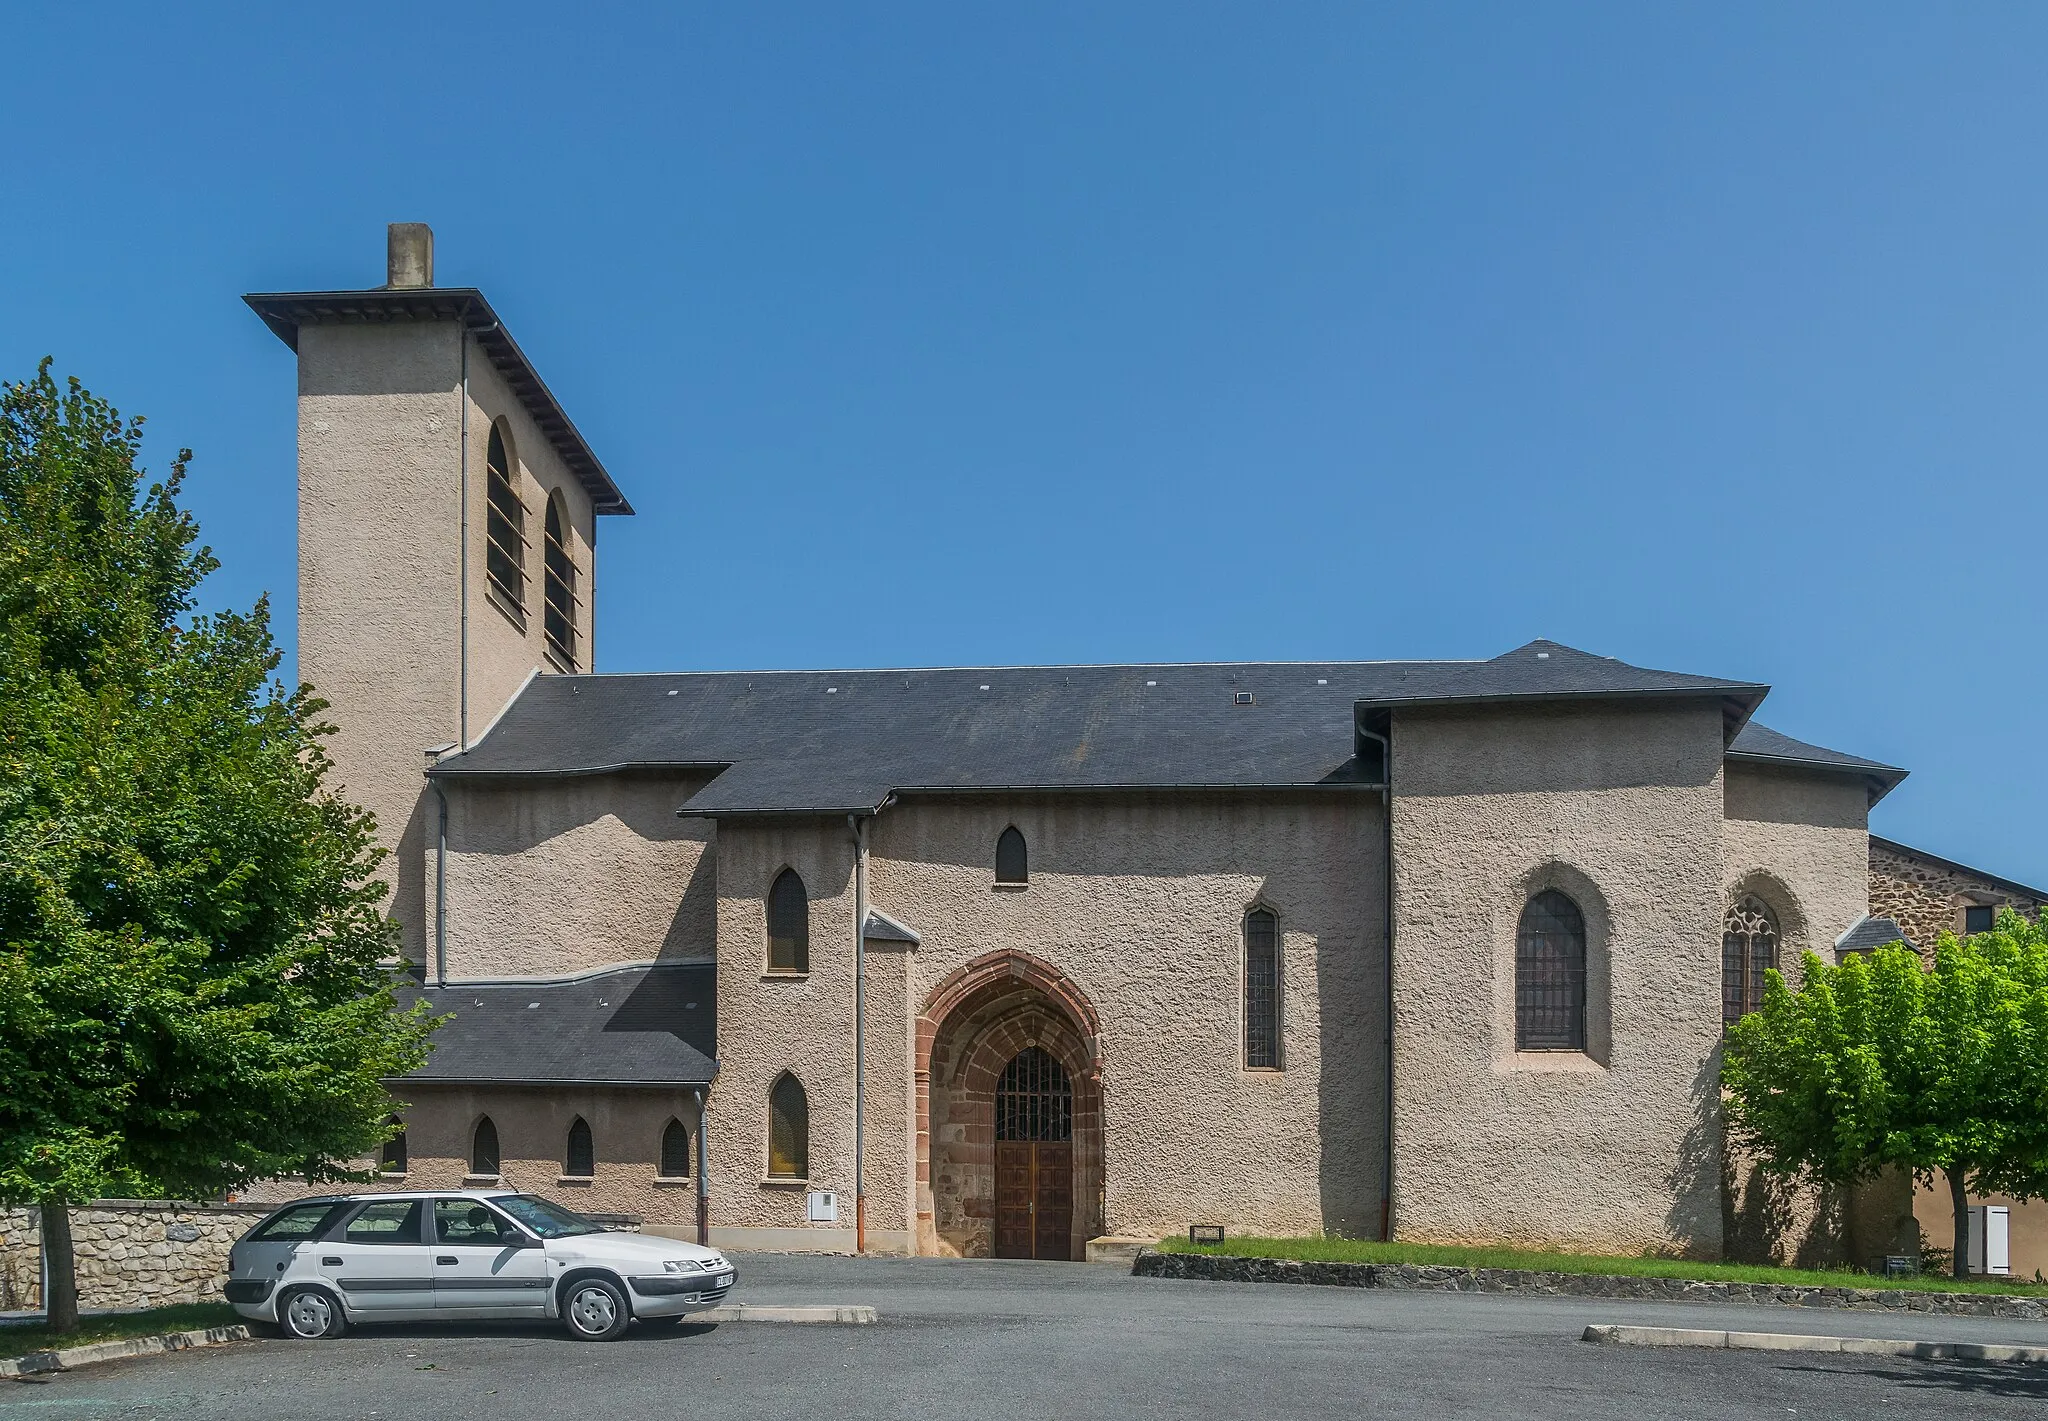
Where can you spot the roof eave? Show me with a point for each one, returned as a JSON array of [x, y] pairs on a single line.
[[286, 311], [1739, 700], [1879, 780]]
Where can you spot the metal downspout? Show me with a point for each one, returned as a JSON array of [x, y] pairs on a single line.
[[441, 891], [703, 1169], [1386, 745], [462, 502], [859, 825]]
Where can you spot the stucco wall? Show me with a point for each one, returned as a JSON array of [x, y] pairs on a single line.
[[1139, 902], [533, 1135], [1798, 841], [1620, 808], [555, 876], [379, 429]]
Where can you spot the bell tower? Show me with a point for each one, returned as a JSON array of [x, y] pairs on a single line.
[[447, 534]]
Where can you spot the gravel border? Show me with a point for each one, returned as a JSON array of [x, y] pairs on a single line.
[[1438, 1278]]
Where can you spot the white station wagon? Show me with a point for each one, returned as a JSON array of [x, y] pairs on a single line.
[[320, 1264]]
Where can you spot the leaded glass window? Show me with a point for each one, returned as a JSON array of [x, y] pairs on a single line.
[[1011, 859], [789, 924], [1749, 948], [675, 1151], [1261, 990], [1550, 975], [580, 1160], [789, 1130]]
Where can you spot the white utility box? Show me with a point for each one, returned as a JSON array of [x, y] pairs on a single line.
[[823, 1206], [1990, 1239]]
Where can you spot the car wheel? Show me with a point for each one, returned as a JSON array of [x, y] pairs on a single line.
[[311, 1313], [594, 1309]]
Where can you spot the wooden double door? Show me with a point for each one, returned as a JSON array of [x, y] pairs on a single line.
[[1034, 1158], [1034, 1199]]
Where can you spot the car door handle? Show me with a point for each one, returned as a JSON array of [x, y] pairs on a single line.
[[444, 1260], [330, 1263]]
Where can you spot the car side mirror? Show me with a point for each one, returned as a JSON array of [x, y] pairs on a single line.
[[524, 1240]]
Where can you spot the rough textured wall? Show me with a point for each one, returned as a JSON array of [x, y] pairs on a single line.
[[533, 1140], [131, 1253], [1139, 902], [555, 876], [1617, 1148], [1797, 840], [1926, 897], [379, 432], [769, 1023]]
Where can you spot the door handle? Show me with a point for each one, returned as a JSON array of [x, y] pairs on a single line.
[[445, 1260], [330, 1263]]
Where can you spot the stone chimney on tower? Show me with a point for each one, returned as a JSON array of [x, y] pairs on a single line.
[[409, 256]]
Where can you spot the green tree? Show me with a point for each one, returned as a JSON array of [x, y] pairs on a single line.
[[1882, 1062], [195, 989]]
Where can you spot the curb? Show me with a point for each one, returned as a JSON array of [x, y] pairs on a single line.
[[66, 1358], [1448, 1278], [1792, 1342], [857, 1314]]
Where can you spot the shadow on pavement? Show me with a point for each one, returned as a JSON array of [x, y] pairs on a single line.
[[2012, 1379]]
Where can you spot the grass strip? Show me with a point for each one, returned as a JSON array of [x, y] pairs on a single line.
[[1347, 1250], [20, 1339]]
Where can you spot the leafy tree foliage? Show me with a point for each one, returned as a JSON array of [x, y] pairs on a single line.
[[1881, 1062], [194, 989]]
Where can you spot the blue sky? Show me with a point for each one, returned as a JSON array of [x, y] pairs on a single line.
[[1712, 337]]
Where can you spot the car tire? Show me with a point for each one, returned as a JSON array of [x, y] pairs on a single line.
[[311, 1314], [594, 1309]]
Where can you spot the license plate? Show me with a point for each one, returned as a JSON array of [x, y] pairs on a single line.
[[720, 1280]]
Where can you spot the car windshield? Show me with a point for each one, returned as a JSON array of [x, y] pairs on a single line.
[[546, 1219]]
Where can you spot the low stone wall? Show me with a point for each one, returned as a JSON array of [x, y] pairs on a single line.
[[131, 1252], [1420, 1277]]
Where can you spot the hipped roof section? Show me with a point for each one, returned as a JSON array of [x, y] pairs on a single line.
[[286, 311], [792, 742]]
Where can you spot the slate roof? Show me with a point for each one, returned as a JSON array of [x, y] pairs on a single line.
[[843, 741], [1760, 744], [636, 1025], [1869, 932], [285, 311]]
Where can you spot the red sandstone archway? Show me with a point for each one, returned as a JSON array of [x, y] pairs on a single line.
[[972, 1025]]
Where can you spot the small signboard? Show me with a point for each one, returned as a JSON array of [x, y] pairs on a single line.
[[1205, 1233]]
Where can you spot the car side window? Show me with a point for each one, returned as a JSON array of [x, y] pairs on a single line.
[[300, 1221], [466, 1221], [391, 1221]]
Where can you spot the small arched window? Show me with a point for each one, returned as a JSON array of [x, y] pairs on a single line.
[[394, 1149], [1749, 948], [1012, 860], [558, 620], [789, 924], [1550, 975], [483, 1148], [504, 527], [1262, 990], [789, 1130], [580, 1159], [675, 1151]]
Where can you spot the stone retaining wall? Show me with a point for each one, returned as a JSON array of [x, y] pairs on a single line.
[[1419, 1277], [131, 1252]]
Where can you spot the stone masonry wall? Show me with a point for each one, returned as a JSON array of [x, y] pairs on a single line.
[[131, 1252], [1925, 896]]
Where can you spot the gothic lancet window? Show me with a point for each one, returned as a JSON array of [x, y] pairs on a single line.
[[789, 924], [483, 1148], [1012, 864], [504, 527], [1550, 975], [580, 1159], [675, 1151], [1749, 948], [558, 620], [789, 1130], [1261, 990]]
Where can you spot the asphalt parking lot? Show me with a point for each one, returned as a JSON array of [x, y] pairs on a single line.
[[1047, 1340]]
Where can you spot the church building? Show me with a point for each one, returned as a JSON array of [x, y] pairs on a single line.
[[1003, 960]]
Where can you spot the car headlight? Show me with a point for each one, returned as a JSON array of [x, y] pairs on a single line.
[[682, 1265]]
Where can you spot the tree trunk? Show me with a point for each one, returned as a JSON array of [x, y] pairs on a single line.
[[60, 1271], [1959, 1196]]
